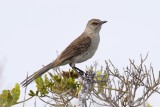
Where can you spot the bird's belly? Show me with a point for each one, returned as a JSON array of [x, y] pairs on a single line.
[[85, 56], [90, 52]]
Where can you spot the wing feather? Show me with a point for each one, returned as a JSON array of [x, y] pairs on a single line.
[[78, 46]]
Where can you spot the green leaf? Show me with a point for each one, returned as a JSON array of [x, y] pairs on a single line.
[[98, 73], [46, 80], [3, 98], [105, 75], [39, 81], [41, 87], [78, 90], [15, 93], [10, 97], [149, 105], [31, 93]]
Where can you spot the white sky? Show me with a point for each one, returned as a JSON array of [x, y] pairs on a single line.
[[32, 31]]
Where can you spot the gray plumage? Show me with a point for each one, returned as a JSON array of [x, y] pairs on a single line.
[[80, 50]]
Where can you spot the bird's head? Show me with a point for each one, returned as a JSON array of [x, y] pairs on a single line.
[[94, 25]]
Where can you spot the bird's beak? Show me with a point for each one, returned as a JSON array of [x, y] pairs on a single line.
[[102, 22]]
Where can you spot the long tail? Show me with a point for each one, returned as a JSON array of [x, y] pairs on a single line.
[[37, 74]]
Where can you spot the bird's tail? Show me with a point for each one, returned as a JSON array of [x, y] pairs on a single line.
[[37, 74]]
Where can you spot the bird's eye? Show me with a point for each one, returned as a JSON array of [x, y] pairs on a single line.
[[95, 23]]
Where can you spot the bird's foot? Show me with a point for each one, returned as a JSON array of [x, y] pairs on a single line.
[[80, 72]]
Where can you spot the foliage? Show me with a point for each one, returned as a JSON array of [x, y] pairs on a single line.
[[148, 105], [63, 87], [109, 86], [101, 85], [10, 97], [117, 89]]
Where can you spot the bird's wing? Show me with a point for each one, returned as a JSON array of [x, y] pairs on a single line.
[[78, 46]]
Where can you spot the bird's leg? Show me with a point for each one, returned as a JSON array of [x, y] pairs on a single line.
[[79, 74], [79, 71]]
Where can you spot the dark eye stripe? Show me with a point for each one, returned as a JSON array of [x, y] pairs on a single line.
[[95, 23]]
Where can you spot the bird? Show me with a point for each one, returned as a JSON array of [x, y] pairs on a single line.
[[80, 50]]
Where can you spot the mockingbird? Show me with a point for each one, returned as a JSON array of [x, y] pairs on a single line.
[[80, 50]]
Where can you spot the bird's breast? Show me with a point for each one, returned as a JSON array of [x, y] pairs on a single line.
[[95, 39]]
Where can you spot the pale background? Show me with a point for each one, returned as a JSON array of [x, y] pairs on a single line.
[[32, 31]]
